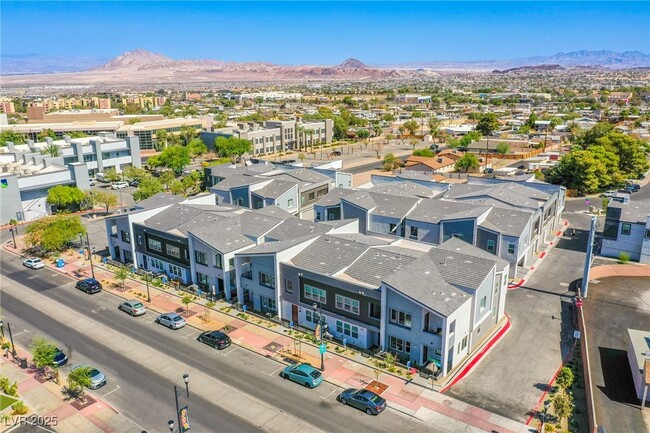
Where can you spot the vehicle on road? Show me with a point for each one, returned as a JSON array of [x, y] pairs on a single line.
[[363, 399], [60, 358], [119, 185], [133, 307], [135, 182], [97, 378], [100, 177], [92, 182], [434, 147], [171, 320], [335, 153], [89, 285], [608, 194], [488, 170], [216, 339], [304, 374], [34, 263], [633, 187]]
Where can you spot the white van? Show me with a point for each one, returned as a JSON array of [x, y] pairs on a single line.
[[100, 177]]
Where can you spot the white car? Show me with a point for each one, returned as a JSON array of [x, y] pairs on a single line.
[[34, 263], [119, 185]]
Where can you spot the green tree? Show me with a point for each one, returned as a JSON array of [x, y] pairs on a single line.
[[132, 172], [174, 157], [111, 175], [503, 148], [434, 127], [197, 148], [176, 187], [54, 233], [388, 117], [187, 300], [77, 134], [411, 126], [391, 162], [453, 143], [161, 138], [186, 134], [14, 137], [51, 150], [104, 198], [78, 380], [631, 151], [46, 133], [43, 353], [166, 178], [232, 147], [63, 196], [149, 186], [564, 378], [467, 162], [121, 274], [486, 125], [563, 405], [363, 134], [580, 170], [427, 153]]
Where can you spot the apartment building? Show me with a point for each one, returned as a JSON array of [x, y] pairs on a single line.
[[627, 229], [70, 104], [27, 174], [146, 131], [31, 130], [7, 107]]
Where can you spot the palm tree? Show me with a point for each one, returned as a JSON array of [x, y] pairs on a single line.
[[300, 132], [310, 132]]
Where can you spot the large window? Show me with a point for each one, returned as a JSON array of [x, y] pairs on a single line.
[[347, 304], [288, 285], [126, 237], [218, 261], [647, 234], [173, 251], [414, 232], [201, 258], [154, 245], [202, 279], [626, 228], [312, 317], [374, 311], [267, 280], [347, 329], [176, 271], [511, 248], [400, 318], [490, 245], [316, 294], [399, 345], [452, 327], [155, 263], [483, 302], [269, 303]]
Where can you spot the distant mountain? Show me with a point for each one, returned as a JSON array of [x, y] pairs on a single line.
[[352, 64], [528, 69], [40, 64], [132, 60]]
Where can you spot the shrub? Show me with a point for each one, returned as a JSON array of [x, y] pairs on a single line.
[[623, 257], [19, 408], [565, 378]]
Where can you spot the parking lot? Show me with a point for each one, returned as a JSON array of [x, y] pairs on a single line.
[[613, 306]]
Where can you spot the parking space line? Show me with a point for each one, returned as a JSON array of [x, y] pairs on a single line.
[[21, 332], [228, 352], [273, 373], [112, 391], [189, 335], [328, 395]]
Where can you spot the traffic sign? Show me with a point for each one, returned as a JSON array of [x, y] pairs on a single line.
[[576, 334], [322, 348]]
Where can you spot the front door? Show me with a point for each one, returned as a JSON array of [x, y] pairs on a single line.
[[425, 354], [294, 313], [117, 253], [220, 286]]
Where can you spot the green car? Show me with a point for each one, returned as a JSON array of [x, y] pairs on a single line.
[[303, 374]]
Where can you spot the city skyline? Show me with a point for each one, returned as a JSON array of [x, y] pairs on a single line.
[[297, 33]]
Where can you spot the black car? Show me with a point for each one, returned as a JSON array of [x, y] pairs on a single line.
[[633, 187], [134, 182], [336, 153], [89, 285], [60, 358], [216, 339], [433, 147]]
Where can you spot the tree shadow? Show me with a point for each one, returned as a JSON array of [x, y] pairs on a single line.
[[619, 385]]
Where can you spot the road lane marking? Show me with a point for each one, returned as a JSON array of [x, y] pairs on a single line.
[[111, 392], [189, 335], [228, 352], [21, 332], [328, 395], [273, 373]]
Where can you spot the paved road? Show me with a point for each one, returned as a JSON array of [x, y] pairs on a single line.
[[237, 367]]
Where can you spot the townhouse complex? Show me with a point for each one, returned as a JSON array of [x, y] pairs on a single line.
[[627, 229], [419, 270]]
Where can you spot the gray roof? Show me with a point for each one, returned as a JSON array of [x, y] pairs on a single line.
[[158, 200], [460, 246], [378, 263], [274, 211], [329, 255], [464, 269], [333, 197], [415, 175], [421, 281], [275, 189], [277, 246], [237, 180], [434, 211], [306, 175], [173, 217], [510, 193], [399, 188], [227, 170], [634, 212], [396, 206], [226, 239], [256, 223], [509, 222], [295, 227]]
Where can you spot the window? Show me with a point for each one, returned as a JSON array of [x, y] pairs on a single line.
[[400, 318], [201, 279], [126, 237], [175, 270], [173, 251], [399, 345], [511, 248], [331, 217], [346, 304], [347, 329], [268, 303], [313, 317], [463, 343], [414, 232], [201, 258], [139, 240], [452, 327], [267, 280], [483, 302], [626, 228], [315, 294], [154, 245], [317, 216], [458, 235], [374, 311], [231, 263], [290, 202], [156, 263], [490, 245], [288, 285], [647, 234], [218, 261], [392, 228]]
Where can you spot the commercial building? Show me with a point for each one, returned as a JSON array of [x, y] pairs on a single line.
[[146, 131]]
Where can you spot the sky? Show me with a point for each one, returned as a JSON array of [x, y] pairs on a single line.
[[377, 33]]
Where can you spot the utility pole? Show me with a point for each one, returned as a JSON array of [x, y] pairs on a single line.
[[589, 256], [90, 255]]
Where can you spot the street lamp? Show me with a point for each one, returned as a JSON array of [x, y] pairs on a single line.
[[170, 423], [147, 274], [90, 255], [320, 340], [547, 403], [13, 235], [186, 379]]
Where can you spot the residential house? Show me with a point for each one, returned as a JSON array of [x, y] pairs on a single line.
[[627, 229]]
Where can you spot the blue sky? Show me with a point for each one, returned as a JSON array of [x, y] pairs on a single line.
[[324, 32]]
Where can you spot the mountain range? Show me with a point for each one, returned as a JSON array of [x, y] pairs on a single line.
[[141, 66]]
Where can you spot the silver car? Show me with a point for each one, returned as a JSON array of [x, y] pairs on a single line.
[[133, 307], [34, 263], [97, 378], [171, 320]]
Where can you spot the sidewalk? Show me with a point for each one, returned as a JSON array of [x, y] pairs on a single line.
[[343, 367], [46, 399]]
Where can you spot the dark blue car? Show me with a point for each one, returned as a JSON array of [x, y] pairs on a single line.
[[60, 358], [363, 399], [89, 285]]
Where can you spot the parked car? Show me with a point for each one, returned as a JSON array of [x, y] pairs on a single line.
[[335, 153], [92, 182], [60, 358], [89, 285], [304, 374], [633, 187], [135, 182], [488, 170], [462, 149], [97, 378], [34, 263], [434, 147], [363, 399], [216, 339], [119, 185], [133, 307], [608, 194], [171, 320]]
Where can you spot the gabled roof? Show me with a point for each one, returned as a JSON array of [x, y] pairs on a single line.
[[158, 200], [172, 218], [277, 246], [434, 210], [434, 163], [510, 222], [237, 180], [296, 227], [460, 246], [329, 255], [395, 206], [256, 224], [275, 189], [226, 239], [400, 188], [462, 269], [380, 262], [333, 197]]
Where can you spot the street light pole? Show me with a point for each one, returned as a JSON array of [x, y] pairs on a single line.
[[11, 337], [170, 423], [90, 255], [13, 236], [146, 278]]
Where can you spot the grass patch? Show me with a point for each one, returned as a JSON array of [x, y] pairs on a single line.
[[6, 401]]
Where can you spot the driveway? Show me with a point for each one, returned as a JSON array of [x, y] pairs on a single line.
[[514, 375], [613, 306]]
